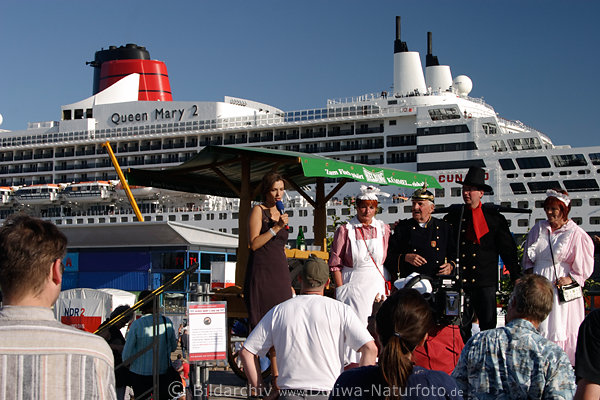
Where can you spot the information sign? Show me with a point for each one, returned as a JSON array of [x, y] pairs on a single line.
[[207, 329]]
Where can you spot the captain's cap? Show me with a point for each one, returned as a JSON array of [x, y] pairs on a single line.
[[423, 194], [423, 286]]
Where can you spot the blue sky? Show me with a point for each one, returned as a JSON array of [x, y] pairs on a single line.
[[533, 61]]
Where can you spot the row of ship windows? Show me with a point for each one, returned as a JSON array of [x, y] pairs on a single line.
[[134, 147], [517, 144], [487, 127], [241, 137], [245, 137], [443, 130], [507, 164], [186, 217], [551, 173], [572, 185], [345, 211], [559, 161], [368, 159]]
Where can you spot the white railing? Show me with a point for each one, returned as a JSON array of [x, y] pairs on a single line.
[[156, 130]]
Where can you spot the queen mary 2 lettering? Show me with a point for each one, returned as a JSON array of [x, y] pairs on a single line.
[[158, 114], [427, 123]]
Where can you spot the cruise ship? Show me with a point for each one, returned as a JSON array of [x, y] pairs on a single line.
[[428, 123]]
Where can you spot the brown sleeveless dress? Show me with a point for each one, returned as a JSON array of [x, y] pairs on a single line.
[[267, 276]]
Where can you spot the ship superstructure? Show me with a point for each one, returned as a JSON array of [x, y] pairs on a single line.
[[428, 123]]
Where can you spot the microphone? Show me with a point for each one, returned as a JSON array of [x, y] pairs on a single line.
[[280, 208]]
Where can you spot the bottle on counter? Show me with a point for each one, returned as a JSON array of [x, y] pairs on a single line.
[[300, 242]]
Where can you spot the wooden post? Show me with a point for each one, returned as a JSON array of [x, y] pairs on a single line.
[[320, 220], [243, 249]]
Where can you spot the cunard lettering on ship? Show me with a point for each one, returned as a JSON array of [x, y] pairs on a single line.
[[454, 177]]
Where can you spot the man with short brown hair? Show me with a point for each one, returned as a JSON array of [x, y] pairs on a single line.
[[41, 357], [515, 361]]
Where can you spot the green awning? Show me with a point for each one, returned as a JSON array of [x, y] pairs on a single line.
[[326, 167], [232, 171], [205, 172]]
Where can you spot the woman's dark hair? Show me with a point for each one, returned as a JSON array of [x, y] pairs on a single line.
[[148, 307], [269, 180], [402, 322], [554, 202]]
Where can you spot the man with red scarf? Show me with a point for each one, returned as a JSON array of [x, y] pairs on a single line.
[[483, 235]]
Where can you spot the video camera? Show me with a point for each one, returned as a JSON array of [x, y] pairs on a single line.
[[446, 298]]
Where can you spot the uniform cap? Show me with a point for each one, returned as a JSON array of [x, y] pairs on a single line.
[[423, 194]]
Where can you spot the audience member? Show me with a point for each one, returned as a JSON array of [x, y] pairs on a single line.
[[140, 336], [41, 357], [402, 323], [442, 347], [309, 333], [516, 361], [185, 342], [178, 363], [587, 358], [116, 341]]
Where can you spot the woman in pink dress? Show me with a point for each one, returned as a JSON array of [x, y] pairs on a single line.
[[561, 251]]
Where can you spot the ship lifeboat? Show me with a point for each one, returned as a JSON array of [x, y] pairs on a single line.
[[38, 194], [138, 192], [97, 191]]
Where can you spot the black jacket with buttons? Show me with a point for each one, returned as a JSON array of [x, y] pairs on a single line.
[[479, 262], [433, 242]]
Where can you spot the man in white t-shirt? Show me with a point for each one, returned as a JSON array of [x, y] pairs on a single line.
[[309, 333]]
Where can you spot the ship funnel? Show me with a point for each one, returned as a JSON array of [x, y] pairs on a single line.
[[430, 59], [408, 72], [114, 64], [438, 77], [399, 45]]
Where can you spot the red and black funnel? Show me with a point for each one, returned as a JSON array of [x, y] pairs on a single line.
[[117, 62]]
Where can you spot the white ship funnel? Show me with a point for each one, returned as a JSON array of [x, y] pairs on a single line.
[[408, 72], [438, 77]]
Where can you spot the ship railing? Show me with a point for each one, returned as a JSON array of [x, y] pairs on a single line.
[[479, 101], [357, 99], [330, 113], [519, 124]]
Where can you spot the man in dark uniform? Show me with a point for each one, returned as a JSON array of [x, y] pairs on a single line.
[[483, 236], [421, 244], [425, 245]]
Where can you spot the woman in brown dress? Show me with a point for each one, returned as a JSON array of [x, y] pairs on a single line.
[[267, 276], [268, 280]]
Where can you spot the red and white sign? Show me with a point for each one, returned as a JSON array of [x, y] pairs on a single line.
[[207, 329], [84, 309], [222, 274]]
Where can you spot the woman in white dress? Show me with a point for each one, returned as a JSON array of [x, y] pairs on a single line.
[[561, 251], [357, 255]]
